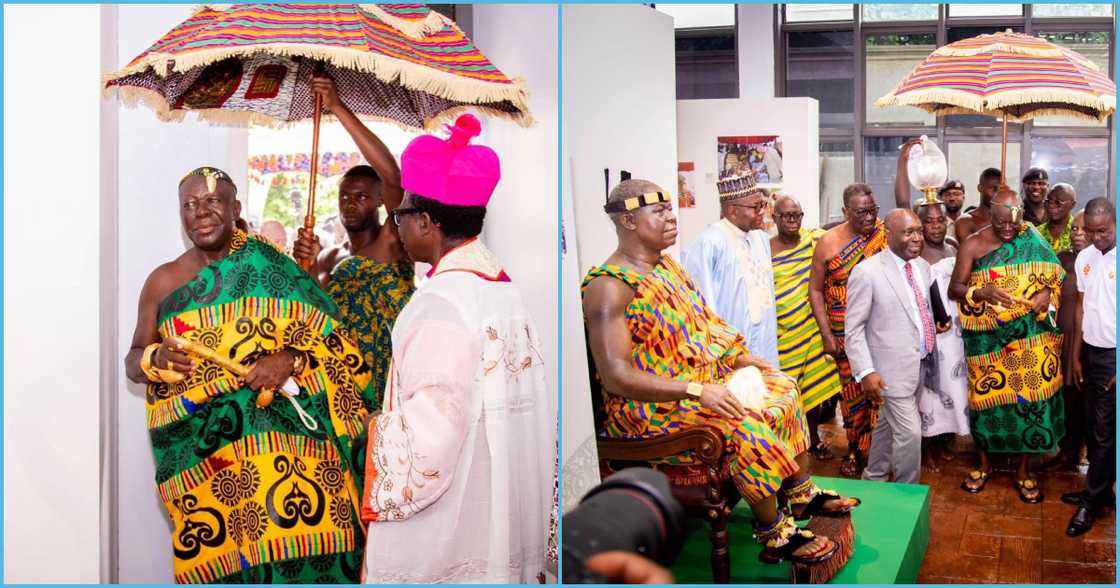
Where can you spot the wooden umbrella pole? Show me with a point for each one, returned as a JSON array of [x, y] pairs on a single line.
[[309, 218], [1002, 154]]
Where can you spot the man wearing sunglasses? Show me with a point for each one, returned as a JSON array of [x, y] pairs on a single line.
[[730, 262], [860, 236], [461, 460]]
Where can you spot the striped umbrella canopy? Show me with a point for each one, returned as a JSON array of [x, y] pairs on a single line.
[[1010, 75], [241, 63]]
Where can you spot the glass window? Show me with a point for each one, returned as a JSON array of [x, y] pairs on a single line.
[[1080, 161], [818, 12], [967, 160], [973, 10], [889, 58], [1094, 46], [705, 46], [838, 169], [880, 162], [882, 12], [1071, 10], [821, 65]]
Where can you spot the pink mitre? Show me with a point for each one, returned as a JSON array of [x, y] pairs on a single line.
[[451, 171]]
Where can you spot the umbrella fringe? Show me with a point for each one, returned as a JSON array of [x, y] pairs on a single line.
[[416, 29], [387, 69], [965, 103], [131, 96]]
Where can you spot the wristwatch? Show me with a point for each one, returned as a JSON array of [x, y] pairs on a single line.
[[694, 389]]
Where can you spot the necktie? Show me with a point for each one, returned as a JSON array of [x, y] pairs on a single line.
[[927, 321]]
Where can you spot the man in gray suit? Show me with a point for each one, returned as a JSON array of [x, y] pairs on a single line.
[[890, 333]]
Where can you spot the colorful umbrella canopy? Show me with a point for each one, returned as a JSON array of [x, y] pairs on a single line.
[[1006, 74], [241, 63]]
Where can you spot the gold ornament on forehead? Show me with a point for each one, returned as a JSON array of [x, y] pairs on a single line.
[[1016, 212], [212, 175]]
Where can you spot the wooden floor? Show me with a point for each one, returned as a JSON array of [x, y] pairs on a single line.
[[993, 537]]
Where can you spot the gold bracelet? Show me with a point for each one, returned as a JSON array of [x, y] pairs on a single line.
[[968, 295], [146, 363], [694, 389]]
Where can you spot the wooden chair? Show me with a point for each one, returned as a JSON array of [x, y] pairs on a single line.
[[705, 489]]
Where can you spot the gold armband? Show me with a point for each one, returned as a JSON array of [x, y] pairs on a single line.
[[146, 363], [968, 295], [694, 389]]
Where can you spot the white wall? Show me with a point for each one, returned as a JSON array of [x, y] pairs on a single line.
[[699, 122], [152, 157], [619, 113], [51, 342], [521, 220]]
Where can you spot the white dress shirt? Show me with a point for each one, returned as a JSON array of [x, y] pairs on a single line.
[[1096, 280]]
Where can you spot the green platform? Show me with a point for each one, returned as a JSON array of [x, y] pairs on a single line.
[[892, 532]]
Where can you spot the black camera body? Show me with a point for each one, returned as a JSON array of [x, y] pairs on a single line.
[[633, 511]]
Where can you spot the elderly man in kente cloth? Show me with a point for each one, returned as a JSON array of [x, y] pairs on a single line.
[[369, 276], [730, 262], [1006, 278], [256, 492], [460, 461], [663, 357], [800, 349], [860, 236]]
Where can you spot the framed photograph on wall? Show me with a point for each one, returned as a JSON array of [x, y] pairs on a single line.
[[686, 184], [761, 154]]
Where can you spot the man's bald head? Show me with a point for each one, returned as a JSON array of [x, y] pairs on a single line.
[[1007, 197], [785, 201], [896, 218]]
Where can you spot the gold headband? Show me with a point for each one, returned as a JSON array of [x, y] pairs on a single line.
[[212, 175], [637, 202]]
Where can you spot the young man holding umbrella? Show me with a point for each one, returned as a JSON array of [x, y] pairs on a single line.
[[369, 276]]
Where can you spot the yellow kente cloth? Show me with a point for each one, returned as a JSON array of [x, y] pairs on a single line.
[[800, 348]]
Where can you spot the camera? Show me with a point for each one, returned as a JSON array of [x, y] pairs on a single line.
[[633, 511]]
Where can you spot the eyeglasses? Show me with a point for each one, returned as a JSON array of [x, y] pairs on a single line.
[[873, 211], [791, 216], [396, 215], [757, 206]]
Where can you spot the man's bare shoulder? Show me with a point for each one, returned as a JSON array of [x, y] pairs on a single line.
[[605, 294], [830, 241], [169, 276]]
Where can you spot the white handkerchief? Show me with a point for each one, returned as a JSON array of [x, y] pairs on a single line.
[[748, 388]]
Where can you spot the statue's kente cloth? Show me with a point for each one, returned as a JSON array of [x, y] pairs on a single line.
[[675, 334]]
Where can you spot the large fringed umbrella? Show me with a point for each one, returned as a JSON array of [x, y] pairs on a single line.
[[1008, 75], [252, 63]]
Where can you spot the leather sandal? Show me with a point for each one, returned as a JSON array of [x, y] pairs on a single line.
[[976, 476], [782, 541], [812, 500], [1026, 485]]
